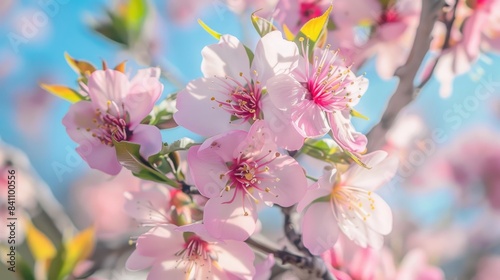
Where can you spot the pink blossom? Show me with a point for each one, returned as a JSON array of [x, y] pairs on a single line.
[[232, 94], [115, 111], [348, 201], [415, 267], [238, 169], [319, 96], [190, 253], [295, 13], [157, 205], [97, 199]]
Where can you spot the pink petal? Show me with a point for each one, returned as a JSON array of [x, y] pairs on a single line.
[[210, 119], [382, 169], [344, 133], [138, 262], [227, 58], [380, 219], [145, 89], [292, 183], [167, 270], [321, 188], [237, 258], [225, 146], [387, 62], [160, 242], [206, 174], [310, 120], [227, 220], [100, 157], [107, 85], [78, 119], [139, 205], [280, 123], [319, 230], [285, 92], [357, 231], [263, 268], [274, 56], [149, 137]]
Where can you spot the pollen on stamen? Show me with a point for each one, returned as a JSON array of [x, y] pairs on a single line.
[[212, 98]]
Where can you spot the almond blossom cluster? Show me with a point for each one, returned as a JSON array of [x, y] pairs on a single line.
[[260, 111]]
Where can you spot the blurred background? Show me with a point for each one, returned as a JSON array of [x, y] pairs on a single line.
[[445, 197]]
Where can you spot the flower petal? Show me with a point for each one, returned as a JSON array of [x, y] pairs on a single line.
[[145, 89], [321, 188], [226, 220], [292, 184], [280, 123], [274, 56], [319, 230], [285, 92], [382, 169], [226, 58], [206, 174], [100, 157], [149, 137], [160, 242], [344, 133], [310, 120], [107, 85], [236, 257], [138, 262], [209, 119]]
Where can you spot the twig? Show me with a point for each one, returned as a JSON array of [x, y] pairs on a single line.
[[405, 92], [446, 45], [291, 234], [312, 264]]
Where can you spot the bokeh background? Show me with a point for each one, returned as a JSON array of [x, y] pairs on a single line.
[[446, 196]]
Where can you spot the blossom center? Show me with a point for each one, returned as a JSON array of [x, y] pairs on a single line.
[[327, 82], [195, 255], [389, 15], [111, 124], [249, 174], [350, 203], [308, 11], [242, 101]]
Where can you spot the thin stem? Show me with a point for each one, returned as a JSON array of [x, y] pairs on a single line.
[[406, 92], [312, 264]]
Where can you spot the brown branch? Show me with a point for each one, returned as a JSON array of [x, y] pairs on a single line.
[[312, 264], [291, 234], [405, 91]]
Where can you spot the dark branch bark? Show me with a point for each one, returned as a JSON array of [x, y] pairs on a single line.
[[312, 264], [405, 91]]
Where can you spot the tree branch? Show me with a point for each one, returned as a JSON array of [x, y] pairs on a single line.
[[312, 264], [405, 91]]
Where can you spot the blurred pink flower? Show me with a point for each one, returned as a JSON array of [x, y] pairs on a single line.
[[157, 205], [477, 29], [488, 268], [231, 94], [190, 253], [363, 216], [263, 268], [238, 169], [294, 13], [115, 111], [98, 200], [319, 96]]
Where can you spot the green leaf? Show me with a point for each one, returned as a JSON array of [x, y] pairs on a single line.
[[24, 270], [136, 13], [357, 114], [129, 156], [179, 145], [262, 25], [57, 263], [162, 115], [249, 54], [108, 30], [209, 30]]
